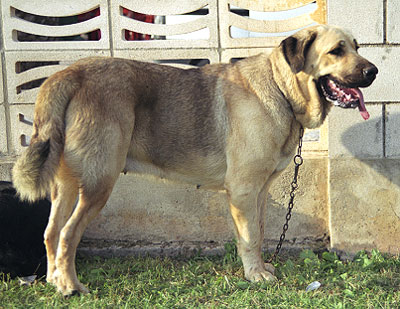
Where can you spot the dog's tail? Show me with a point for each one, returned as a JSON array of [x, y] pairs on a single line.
[[34, 171]]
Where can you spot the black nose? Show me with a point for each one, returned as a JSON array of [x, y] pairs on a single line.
[[370, 71]]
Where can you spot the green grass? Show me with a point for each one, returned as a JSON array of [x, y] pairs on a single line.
[[369, 281]]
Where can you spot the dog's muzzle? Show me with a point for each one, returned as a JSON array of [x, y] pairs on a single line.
[[342, 96]]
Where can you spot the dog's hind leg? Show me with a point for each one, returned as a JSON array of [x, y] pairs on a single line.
[[89, 205], [98, 168], [64, 192]]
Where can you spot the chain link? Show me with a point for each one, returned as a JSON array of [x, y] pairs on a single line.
[[298, 160]]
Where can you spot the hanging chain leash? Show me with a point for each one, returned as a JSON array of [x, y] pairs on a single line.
[[298, 160]]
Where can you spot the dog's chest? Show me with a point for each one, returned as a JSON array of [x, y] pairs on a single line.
[[283, 163], [289, 148]]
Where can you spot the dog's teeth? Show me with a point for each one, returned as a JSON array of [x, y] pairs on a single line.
[[333, 101]]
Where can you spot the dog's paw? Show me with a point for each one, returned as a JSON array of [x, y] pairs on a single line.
[[81, 289], [257, 275], [67, 286], [269, 267], [75, 290], [262, 276]]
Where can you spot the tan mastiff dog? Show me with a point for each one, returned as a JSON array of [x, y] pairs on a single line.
[[222, 126]]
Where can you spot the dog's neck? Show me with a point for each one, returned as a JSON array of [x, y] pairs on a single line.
[[307, 108]]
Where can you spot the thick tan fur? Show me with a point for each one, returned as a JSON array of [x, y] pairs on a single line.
[[35, 169], [226, 126]]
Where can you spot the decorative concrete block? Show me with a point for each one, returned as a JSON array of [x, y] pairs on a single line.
[[22, 83], [232, 54], [364, 20], [351, 136], [16, 21], [265, 24], [393, 17], [365, 204], [3, 132], [205, 24], [5, 169], [21, 118], [386, 86], [172, 55], [392, 130]]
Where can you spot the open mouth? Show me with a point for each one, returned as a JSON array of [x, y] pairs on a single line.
[[342, 96]]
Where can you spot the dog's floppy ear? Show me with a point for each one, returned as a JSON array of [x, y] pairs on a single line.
[[295, 49]]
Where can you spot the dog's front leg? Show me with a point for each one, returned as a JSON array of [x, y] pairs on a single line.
[[247, 205]]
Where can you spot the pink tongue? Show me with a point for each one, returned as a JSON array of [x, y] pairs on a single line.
[[361, 107]]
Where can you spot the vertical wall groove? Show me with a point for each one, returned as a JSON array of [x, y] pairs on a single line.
[[385, 21], [384, 116], [4, 82]]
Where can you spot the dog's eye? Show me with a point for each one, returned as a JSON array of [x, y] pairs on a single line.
[[336, 51]]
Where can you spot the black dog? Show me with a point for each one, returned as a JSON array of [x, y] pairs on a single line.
[[22, 225]]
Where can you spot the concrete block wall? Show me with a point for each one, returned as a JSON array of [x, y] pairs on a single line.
[[143, 214], [364, 172]]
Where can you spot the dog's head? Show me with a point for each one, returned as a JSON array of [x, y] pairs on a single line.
[[329, 55]]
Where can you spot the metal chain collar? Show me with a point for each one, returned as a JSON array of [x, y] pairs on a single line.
[[298, 160]]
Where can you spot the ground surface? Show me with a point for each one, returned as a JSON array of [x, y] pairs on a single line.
[[368, 281]]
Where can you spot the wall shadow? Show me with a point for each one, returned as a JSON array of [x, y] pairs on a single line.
[[359, 141]]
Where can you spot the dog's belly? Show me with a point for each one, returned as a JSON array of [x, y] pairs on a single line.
[[207, 176]]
